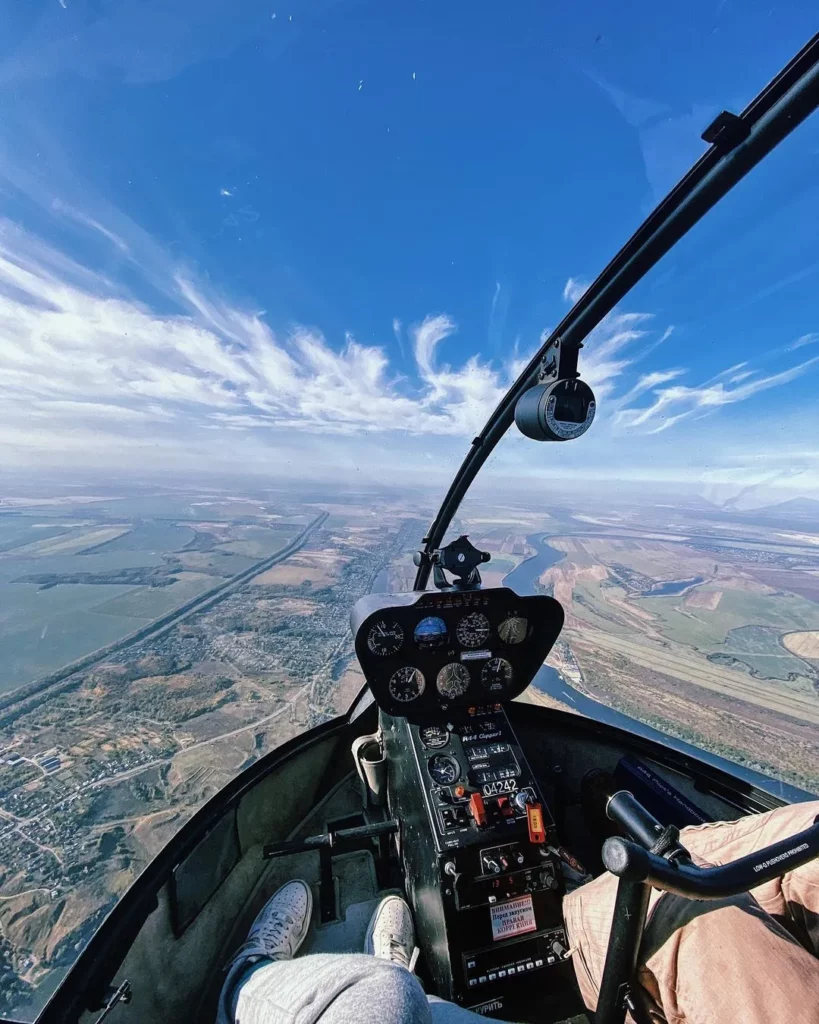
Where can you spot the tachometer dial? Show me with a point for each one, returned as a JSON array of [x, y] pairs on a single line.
[[453, 680], [513, 630], [473, 630], [434, 736], [496, 674], [385, 637], [406, 684], [443, 769]]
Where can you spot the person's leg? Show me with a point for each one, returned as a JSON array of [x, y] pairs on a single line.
[[685, 940], [391, 937], [276, 935], [706, 962], [792, 899], [330, 988], [265, 985]]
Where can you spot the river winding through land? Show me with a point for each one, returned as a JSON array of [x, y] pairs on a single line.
[[523, 580]]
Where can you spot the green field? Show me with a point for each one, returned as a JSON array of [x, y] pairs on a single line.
[[707, 630], [759, 648], [257, 542], [43, 627], [147, 603]]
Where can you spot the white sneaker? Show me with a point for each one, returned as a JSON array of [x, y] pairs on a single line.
[[391, 935], [281, 925]]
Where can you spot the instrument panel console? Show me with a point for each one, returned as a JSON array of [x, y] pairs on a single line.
[[478, 850], [423, 651]]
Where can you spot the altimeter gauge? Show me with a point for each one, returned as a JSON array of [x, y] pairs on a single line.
[[443, 769], [473, 630]]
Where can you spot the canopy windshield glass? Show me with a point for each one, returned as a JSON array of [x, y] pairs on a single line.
[[264, 272], [681, 533]]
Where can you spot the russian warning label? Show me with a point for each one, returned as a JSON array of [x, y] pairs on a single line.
[[513, 918]]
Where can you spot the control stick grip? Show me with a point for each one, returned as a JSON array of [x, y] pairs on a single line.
[[625, 809]]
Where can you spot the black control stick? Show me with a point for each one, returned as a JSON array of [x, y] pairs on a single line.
[[643, 827], [639, 867]]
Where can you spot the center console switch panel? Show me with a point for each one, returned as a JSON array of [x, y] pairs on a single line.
[[475, 842]]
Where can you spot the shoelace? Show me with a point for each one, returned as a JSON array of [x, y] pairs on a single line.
[[272, 932], [269, 934], [397, 952]]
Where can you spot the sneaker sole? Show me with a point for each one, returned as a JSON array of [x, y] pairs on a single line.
[[308, 918]]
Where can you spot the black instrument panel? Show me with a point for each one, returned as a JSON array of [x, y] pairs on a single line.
[[426, 651]]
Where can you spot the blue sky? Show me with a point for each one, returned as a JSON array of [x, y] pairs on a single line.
[[309, 239]]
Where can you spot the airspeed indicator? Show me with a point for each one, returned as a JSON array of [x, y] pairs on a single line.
[[385, 637]]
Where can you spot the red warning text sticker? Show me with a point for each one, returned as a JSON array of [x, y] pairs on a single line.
[[516, 917]]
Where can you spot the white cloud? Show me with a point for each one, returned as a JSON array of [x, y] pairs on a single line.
[[651, 380], [80, 356], [574, 289], [673, 404], [91, 375], [806, 339]]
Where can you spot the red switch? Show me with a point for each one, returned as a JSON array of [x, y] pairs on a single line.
[[505, 807], [477, 809], [534, 817]]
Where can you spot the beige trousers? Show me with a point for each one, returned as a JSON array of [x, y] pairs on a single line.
[[750, 959]]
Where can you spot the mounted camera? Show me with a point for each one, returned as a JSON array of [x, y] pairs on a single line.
[[560, 406], [461, 559]]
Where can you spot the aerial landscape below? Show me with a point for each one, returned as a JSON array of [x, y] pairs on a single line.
[[155, 644]]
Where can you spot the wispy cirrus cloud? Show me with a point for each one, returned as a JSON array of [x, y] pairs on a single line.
[[806, 339], [89, 371], [678, 402], [77, 351]]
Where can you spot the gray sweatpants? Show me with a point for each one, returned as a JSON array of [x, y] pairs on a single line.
[[333, 988]]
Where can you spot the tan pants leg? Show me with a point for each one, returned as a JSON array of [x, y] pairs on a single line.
[[718, 961]]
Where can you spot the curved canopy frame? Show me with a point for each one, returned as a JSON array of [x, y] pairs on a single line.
[[737, 144]]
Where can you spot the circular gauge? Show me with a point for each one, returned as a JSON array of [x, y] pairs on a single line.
[[406, 684], [453, 680], [496, 674], [473, 630], [443, 769], [434, 736], [430, 632], [513, 630], [385, 637]]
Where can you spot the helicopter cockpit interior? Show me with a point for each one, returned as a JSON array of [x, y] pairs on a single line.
[[483, 811]]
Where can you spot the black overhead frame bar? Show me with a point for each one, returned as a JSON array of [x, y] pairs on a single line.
[[737, 144]]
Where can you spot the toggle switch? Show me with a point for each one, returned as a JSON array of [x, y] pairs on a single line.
[[477, 809]]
